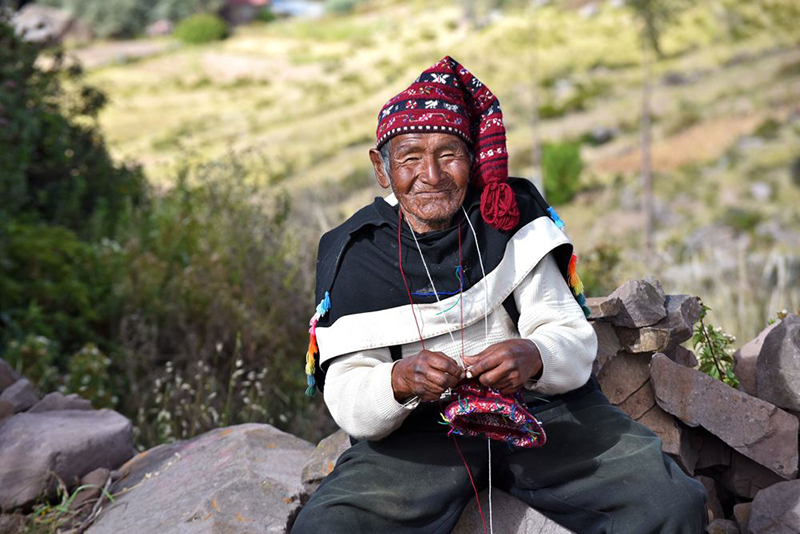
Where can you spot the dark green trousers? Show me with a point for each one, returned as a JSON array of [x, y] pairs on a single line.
[[599, 471]]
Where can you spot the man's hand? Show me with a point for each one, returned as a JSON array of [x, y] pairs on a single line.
[[507, 365], [426, 375]]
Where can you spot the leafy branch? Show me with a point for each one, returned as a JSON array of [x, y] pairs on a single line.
[[712, 346]]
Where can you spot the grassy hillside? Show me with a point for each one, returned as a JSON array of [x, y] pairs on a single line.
[[299, 99]]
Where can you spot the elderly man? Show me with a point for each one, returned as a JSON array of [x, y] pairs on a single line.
[[463, 274]]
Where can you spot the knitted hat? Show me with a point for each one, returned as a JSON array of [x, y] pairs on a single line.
[[447, 98], [479, 410]]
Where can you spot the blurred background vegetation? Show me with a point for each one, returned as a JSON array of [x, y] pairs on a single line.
[[167, 168]]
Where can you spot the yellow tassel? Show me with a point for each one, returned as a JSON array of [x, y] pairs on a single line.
[[578, 287], [309, 363]]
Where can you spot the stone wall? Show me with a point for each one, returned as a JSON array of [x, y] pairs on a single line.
[[741, 444]]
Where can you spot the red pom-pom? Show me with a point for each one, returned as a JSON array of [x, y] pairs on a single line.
[[499, 206]]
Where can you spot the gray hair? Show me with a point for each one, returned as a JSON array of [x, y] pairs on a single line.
[[387, 163]]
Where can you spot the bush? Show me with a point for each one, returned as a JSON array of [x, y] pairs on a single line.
[[562, 166], [201, 28], [109, 18], [341, 7], [266, 15], [54, 165], [177, 10]]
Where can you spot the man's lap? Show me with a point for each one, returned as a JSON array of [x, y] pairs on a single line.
[[599, 471]]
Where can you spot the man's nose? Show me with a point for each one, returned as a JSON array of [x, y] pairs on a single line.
[[431, 171]]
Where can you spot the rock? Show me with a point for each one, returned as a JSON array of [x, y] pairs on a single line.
[[623, 375], [92, 484], [13, 524], [643, 303], [741, 513], [713, 452], [640, 401], [723, 526], [239, 479], [682, 312], [713, 504], [675, 438], [323, 459], [751, 426], [644, 339], [681, 355], [745, 478], [6, 410], [778, 365], [607, 344], [761, 191], [7, 375], [744, 361], [509, 516], [20, 394], [68, 443], [56, 401], [603, 308], [776, 509]]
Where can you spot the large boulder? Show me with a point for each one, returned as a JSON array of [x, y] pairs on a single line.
[[751, 426], [21, 395], [68, 444], [323, 459], [55, 401], [776, 509], [7, 375], [509, 516], [239, 479], [643, 303], [778, 365], [745, 359]]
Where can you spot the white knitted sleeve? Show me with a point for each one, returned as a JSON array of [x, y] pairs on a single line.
[[359, 395], [551, 318]]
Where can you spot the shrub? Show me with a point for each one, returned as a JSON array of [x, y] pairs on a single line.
[[562, 166], [341, 7], [54, 165], [176, 10], [266, 15], [201, 28]]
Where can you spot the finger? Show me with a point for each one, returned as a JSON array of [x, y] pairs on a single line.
[[445, 364], [485, 364]]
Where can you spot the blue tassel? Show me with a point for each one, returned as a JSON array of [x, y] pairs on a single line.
[[312, 386], [555, 217], [581, 300], [324, 305]]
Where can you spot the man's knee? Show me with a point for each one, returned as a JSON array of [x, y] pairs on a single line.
[[680, 503]]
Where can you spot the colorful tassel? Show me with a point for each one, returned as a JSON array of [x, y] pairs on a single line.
[[555, 217], [576, 285], [313, 350]]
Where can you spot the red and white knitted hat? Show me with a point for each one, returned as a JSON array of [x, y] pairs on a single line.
[[447, 98]]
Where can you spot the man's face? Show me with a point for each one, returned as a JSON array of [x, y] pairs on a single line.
[[429, 173]]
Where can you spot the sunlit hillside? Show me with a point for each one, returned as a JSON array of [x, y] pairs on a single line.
[[299, 100]]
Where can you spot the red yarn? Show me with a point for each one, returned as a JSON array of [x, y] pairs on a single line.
[[499, 206]]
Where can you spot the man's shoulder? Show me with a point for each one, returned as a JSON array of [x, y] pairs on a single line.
[[368, 215]]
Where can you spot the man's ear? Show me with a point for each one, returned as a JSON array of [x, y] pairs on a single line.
[[377, 164]]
